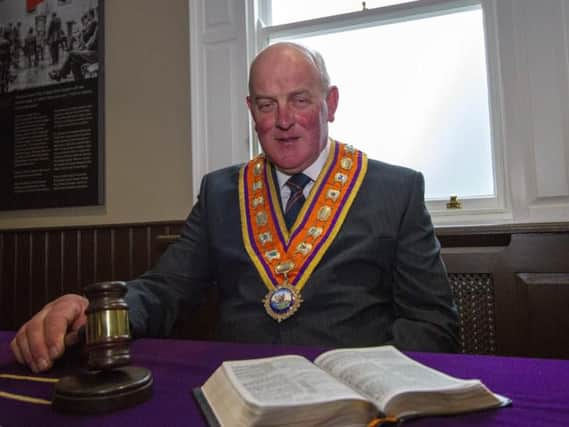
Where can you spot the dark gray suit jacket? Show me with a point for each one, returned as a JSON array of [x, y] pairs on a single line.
[[382, 280]]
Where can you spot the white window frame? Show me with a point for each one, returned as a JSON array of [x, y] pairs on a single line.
[[492, 209], [528, 82]]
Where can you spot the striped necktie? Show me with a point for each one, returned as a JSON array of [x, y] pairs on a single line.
[[296, 183]]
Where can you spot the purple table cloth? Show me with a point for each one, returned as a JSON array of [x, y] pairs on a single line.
[[539, 388]]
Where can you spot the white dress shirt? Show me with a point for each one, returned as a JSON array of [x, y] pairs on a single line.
[[311, 171]]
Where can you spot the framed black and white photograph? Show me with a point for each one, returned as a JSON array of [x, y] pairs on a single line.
[[51, 103]]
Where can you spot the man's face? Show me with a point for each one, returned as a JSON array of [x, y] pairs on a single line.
[[289, 107]]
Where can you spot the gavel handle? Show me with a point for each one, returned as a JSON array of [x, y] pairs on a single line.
[[74, 338]]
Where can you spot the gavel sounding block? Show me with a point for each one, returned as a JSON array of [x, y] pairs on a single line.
[[103, 391], [109, 383]]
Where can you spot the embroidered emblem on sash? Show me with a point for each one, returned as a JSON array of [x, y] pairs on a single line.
[[341, 178], [265, 238], [304, 248], [346, 163], [324, 213], [259, 201], [261, 218], [332, 194], [284, 258], [272, 255], [314, 232], [258, 169]]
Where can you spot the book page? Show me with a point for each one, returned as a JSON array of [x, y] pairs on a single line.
[[381, 372], [285, 381]]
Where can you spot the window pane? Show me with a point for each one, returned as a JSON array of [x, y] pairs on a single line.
[[286, 11], [415, 93]]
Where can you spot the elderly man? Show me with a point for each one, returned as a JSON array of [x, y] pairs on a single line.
[[308, 243]]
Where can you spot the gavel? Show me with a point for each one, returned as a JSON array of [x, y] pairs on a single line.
[[107, 333], [108, 383]]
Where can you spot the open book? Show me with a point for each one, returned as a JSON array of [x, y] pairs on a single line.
[[347, 387]]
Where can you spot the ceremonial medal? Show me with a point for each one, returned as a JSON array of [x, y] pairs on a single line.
[[282, 302], [285, 259]]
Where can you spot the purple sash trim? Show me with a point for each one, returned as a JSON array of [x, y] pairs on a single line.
[[273, 206], [326, 236], [248, 217], [273, 203], [319, 190]]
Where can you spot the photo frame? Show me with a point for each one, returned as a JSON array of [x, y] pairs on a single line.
[[51, 103]]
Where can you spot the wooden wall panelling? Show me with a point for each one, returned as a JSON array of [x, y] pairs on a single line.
[[122, 259], [22, 292], [509, 310], [548, 308], [8, 279], [141, 250], [539, 254], [520, 309], [104, 253], [531, 313], [37, 266], [546, 315], [86, 244], [70, 272], [54, 264], [2, 276], [38, 276]]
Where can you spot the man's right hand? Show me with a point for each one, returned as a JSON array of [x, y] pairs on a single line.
[[44, 337]]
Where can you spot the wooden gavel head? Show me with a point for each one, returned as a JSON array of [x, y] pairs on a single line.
[[107, 332], [107, 384]]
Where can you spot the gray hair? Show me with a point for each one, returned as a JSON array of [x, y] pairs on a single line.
[[321, 66]]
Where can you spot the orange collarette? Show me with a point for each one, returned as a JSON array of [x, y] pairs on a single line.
[[285, 258]]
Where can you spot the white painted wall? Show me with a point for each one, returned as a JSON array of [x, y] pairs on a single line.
[[533, 41]]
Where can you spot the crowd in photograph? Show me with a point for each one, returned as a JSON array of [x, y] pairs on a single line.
[[48, 52]]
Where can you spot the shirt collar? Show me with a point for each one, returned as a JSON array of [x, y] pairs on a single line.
[[311, 171]]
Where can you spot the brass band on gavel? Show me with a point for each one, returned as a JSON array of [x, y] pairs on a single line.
[[107, 332]]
